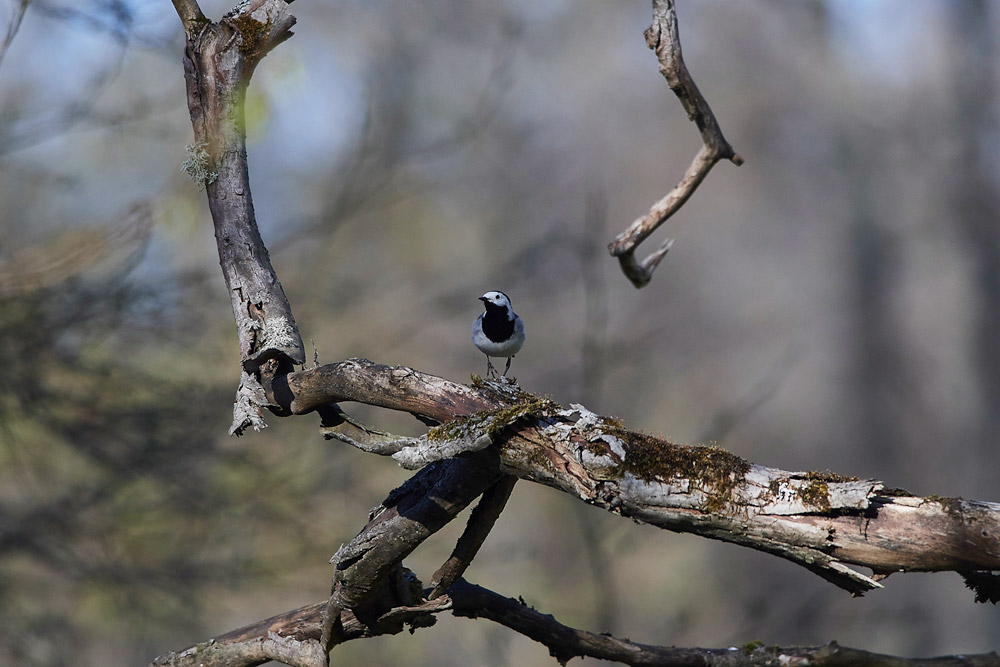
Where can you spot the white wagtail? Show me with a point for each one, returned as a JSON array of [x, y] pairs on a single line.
[[498, 332]]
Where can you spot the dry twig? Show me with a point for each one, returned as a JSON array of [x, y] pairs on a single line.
[[663, 37]]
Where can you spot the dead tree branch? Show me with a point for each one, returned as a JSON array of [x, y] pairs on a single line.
[[367, 580], [219, 59], [480, 524], [191, 17], [663, 37], [821, 521], [294, 638]]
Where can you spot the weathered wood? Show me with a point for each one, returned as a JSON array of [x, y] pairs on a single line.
[[411, 514], [392, 387], [480, 524], [219, 59], [663, 37], [821, 521], [301, 628]]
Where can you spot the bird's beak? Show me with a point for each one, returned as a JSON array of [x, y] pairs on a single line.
[[483, 299]]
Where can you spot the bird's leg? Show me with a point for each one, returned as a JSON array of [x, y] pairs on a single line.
[[491, 371], [507, 367]]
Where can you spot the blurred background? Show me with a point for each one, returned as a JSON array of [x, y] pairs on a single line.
[[834, 304]]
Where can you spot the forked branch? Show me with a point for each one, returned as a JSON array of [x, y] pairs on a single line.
[[663, 37]]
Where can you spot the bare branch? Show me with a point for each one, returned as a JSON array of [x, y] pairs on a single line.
[[565, 643], [411, 514], [480, 524], [409, 453], [297, 634], [292, 638], [337, 425], [255, 651], [663, 37], [819, 520], [218, 62], [262, 25], [190, 15], [392, 387]]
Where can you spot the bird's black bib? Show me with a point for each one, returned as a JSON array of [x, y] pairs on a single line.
[[496, 325]]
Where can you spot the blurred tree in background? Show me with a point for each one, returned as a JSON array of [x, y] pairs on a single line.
[[831, 305]]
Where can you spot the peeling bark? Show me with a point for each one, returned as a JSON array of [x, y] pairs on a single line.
[[821, 521]]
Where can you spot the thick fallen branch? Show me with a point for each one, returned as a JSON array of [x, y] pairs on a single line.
[[294, 639], [819, 520], [664, 38]]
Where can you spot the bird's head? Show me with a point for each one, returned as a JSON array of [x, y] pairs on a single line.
[[496, 300]]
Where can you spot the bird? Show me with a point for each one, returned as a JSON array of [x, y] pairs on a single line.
[[498, 331]]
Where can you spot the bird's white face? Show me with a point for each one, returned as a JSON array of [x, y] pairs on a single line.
[[496, 298]]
